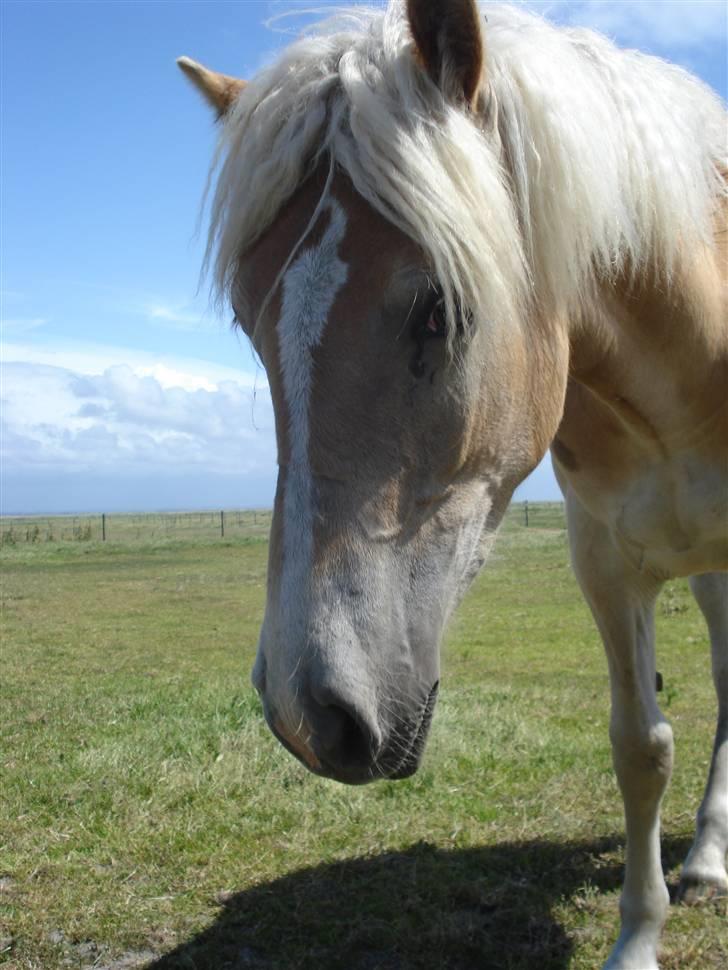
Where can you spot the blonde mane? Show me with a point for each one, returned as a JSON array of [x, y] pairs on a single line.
[[587, 160]]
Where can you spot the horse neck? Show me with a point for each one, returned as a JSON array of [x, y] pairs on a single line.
[[657, 347]]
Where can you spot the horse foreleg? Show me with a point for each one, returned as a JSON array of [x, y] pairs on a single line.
[[704, 873], [622, 601]]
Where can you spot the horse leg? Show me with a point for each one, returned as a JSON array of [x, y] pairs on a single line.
[[704, 872], [622, 601]]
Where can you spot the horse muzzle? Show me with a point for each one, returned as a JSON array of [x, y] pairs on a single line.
[[337, 737]]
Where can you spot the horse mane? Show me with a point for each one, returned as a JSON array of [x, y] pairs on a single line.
[[589, 162]]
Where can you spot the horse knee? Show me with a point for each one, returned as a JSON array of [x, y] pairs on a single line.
[[646, 755]]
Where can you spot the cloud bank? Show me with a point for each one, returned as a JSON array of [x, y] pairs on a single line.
[[60, 424]]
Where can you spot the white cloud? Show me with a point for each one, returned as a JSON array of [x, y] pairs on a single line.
[[179, 317], [169, 371], [127, 421], [667, 25]]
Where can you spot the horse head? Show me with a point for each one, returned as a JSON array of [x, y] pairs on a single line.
[[364, 232]]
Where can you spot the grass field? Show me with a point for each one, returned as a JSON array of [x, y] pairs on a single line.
[[131, 527], [150, 819]]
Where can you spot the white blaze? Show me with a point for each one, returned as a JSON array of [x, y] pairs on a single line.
[[310, 286]]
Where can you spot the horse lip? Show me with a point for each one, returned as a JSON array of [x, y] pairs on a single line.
[[406, 765], [410, 761]]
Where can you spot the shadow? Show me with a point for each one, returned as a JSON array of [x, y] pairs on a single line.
[[425, 908]]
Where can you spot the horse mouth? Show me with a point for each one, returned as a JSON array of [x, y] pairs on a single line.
[[402, 757]]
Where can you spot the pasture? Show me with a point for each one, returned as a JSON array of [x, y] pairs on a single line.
[[150, 819]]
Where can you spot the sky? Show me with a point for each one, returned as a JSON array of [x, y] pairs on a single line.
[[120, 388]]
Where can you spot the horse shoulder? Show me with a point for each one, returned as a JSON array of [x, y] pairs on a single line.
[[643, 440]]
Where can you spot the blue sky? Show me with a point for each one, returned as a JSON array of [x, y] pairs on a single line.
[[120, 389]]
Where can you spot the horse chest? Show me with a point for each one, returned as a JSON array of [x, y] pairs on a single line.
[[660, 486], [668, 518]]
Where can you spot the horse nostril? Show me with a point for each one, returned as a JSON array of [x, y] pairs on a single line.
[[344, 735], [343, 740]]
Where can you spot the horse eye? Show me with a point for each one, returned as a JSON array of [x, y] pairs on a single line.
[[432, 325], [436, 325]]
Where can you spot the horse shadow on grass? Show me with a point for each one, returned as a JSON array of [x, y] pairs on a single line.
[[426, 908]]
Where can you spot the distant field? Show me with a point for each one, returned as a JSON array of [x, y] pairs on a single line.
[[249, 523], [148, 818], [131, 527]]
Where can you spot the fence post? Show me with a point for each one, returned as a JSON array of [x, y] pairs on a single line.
[[222, 524], [103, 526], [525, 509]]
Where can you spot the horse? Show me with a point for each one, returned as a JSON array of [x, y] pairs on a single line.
[[457, 237]]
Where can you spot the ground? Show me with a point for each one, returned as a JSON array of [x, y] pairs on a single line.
[[149, 819]]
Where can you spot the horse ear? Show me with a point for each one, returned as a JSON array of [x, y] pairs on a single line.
[[219, 90], [449, 43]]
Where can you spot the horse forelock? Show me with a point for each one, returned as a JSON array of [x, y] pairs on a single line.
[[602, 159]]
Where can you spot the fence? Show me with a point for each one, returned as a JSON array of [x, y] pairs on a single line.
[[243, 523], [534, 515], [123, 527]]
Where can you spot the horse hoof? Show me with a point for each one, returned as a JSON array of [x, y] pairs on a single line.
[[693, 891]]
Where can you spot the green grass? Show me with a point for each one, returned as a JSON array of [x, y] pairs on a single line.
[[149, 818]]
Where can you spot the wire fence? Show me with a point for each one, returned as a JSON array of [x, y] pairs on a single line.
[[130, 527], [223, 523], [534, 515]]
